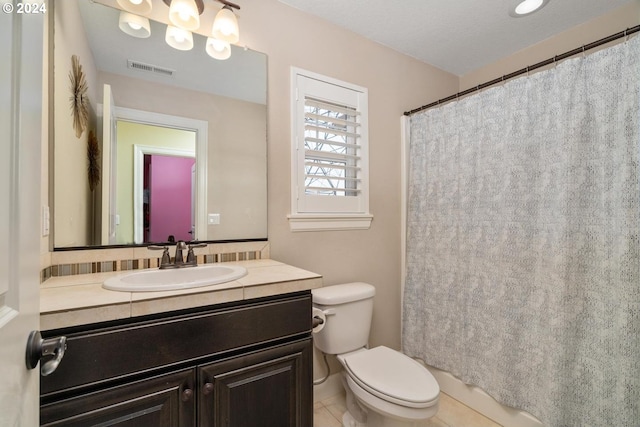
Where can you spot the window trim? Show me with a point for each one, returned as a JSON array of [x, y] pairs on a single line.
[[333, 220]]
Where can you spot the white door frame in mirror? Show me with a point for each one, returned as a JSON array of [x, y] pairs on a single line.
[[139, 152], [200, 127]]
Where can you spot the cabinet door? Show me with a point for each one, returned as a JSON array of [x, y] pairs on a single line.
[[269, 388], [165, 401]]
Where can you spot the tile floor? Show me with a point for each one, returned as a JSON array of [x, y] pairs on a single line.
[[328, 413]]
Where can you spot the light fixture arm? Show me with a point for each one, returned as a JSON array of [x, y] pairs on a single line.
[[200, 4], [228, 3]]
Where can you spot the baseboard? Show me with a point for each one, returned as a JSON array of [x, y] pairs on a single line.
[[331, 387], [478, 400]]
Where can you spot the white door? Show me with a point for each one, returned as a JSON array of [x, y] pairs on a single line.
[[109, 167], [20, 182], [194, 182]]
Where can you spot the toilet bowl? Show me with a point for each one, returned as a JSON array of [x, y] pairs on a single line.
[[392, 385], [384, 387]]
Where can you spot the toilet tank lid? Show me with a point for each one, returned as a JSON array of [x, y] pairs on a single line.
[[341, 294]]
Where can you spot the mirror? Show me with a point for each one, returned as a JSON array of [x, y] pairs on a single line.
[[151, 108]]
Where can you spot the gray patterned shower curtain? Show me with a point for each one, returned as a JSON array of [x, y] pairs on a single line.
[[523, 241]]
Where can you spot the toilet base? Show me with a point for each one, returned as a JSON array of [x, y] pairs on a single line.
[[349, 421], [370, 418], [376, 420]]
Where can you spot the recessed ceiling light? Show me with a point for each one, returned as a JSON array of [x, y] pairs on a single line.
[[526, 7]]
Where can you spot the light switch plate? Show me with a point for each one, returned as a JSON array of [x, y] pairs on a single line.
[[213, 218], [45, 221]]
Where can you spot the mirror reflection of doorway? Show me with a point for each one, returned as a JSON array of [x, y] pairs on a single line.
[[168, 198], [158, 159]]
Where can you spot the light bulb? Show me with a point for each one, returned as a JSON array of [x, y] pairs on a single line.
[[136, 2], [134, 26]]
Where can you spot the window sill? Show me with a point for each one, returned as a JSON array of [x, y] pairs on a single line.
[[329, 222]]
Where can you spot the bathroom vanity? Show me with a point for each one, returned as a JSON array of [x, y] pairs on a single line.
[[237, 363]]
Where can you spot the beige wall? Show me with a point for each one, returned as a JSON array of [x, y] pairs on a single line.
[[396, 83], [618, 20], [73, 205]]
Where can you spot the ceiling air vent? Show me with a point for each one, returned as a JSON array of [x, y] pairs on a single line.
[[137, 65]]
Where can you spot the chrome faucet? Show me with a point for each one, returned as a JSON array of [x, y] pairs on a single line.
[[178, 260]]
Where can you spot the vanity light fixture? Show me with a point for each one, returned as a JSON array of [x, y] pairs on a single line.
[[134, 25], [526, 7], [184, 16], [139, 7]]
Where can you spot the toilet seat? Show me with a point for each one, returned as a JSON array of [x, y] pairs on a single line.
[[393, 377]]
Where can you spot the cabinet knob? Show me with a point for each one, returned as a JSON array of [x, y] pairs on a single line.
[[187, 394], [207, 389]]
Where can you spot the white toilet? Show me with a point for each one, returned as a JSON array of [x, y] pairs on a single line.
[[384, 387]]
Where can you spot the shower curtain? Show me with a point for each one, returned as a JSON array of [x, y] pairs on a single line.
[[523, 251]]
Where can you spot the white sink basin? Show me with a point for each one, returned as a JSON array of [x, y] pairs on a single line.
[[171, 279]]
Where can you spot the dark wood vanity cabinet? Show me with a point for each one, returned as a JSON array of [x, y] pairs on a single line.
[[164, 400], [241, 364], [261, 389]]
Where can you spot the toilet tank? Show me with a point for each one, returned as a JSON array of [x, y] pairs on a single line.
[[348, 309]]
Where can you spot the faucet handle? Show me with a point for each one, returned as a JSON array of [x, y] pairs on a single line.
[[166, 258], [195, 244], [191, 256]]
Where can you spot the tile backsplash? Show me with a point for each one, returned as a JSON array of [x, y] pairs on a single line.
[[68, 263]]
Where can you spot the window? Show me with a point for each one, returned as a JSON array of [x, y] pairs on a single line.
[[330, 180]]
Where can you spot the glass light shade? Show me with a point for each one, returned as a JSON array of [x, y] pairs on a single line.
[[225, 26], [178, 38], [139, 7], [184, 14], [134, 25], [218, 49]]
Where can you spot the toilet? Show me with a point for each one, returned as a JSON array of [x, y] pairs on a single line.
[[384, 387]]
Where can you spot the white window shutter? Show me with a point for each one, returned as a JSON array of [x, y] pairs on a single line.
[[332, 147]]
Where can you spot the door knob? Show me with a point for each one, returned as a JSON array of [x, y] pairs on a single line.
[[39, 348]]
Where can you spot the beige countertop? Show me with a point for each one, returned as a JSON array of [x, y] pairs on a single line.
[[80, 299]]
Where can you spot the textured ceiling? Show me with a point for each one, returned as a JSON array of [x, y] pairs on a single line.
[[457, 36]]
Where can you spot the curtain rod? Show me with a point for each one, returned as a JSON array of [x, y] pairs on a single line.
[[549, 61]]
